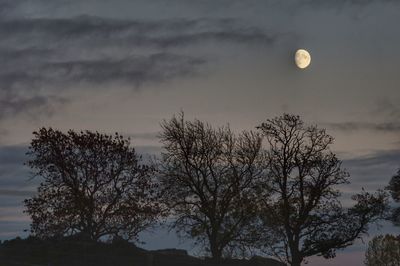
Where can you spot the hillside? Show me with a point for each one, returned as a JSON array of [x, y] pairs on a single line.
[[34, 252]]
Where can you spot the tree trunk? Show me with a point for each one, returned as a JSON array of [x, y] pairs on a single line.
[[296, 261], [297, 257], [216, 253]]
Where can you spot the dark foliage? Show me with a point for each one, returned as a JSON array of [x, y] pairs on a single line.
[[208, 177], [301, 207], [394, 189], [93, 186], [383, 251]]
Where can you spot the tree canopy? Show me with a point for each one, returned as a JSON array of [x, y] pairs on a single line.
[[93, 185], [394, 189], [301, 208], [208, 177], [274, 190], [383, 251]]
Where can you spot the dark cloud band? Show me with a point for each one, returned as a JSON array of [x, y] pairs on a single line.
[[44, 56], [355, 126]]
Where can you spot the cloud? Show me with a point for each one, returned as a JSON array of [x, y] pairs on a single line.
[[92, 33], [107, 31], [12, 214], [14, 175], [342, 2], [134, 70], [387, 111], [43, 57], [16, 193], [355, 126], [7, 7], [375, 169], [339, 4], [378, 158], [144, 136], [288, 5], [387, 108], [13, 154], [45, 105]]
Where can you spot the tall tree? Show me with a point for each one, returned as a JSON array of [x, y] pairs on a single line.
[[383, 251], [93, 185], [208, 176], [302, 209]]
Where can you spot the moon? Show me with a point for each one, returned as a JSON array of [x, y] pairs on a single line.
[[302, 58]]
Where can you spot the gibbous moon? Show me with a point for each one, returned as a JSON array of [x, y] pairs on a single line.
[[302, 58]]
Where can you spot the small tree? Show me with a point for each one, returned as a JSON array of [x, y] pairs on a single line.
[[93, 185], [383, 251], [208, 176], [302, 210]]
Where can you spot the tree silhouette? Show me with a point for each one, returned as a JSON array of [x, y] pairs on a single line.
[[383, 251], [301, 207], [394, 189], [208, 176], [93, 185]]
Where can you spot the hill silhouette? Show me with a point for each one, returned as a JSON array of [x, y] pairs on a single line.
[[67, 252]]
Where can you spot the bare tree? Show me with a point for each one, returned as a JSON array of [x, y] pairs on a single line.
[[208, 176], [93, 185], [302, 210]]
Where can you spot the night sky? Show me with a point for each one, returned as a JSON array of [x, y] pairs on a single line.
[[124, 66]]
